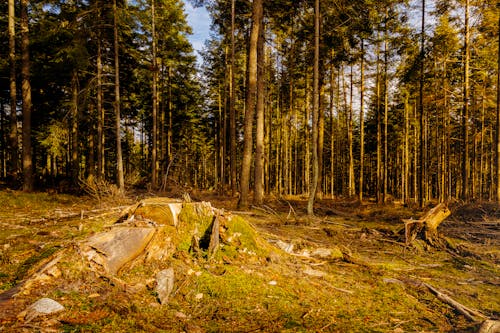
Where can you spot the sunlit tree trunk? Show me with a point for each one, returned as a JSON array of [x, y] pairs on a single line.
[[259, 135], [351, 187], [232, 102], [119, 159], [154, 88], [28, 179], [421, 175], [100, 113], [13, 160], [75, 165], [257, 14], [315, 115], [361, 122], [465, 113], [497, 136]]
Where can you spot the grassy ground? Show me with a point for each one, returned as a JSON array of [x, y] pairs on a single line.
[[255, 286]]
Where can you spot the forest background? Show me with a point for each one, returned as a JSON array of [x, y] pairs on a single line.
[[391, 100]]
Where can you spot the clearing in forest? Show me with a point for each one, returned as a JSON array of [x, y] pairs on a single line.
[[166, 265]]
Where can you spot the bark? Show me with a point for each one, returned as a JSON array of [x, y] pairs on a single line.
[[100, 112], [352, 184], [257, 14], [119, 159], [259, 135], [154, 149], [14, 165], [315, 115], [361, 122], [379, 130], [497, 136], [28, 180], [465, 114], [75, 165], [421, 179], [232, 102]]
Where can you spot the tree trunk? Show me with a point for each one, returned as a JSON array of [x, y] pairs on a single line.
[[100, 112], [385, 165], [13, 165], [75, 165], [315, 115], [361, 122], [257, 14], [352, 188], [421, 179], [465, 114], [259, 135], [119, 159], [497, 136], [379, 129], [232, 102], [154, 149], [28, 180]]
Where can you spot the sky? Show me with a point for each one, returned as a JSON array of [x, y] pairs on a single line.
[[199, 20]]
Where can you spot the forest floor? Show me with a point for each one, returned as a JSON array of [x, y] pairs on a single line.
[[368, 281]]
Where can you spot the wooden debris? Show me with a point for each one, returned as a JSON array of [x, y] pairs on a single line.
[[164, 284], [214, 236], [113, 249], [471, 314], [490, 326]]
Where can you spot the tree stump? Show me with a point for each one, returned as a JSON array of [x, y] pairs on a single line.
[[426, 226]]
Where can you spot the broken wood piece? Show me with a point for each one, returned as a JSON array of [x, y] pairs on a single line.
[[111, 250], [490, 326], [214, 237], [164, 285], [471, 314]]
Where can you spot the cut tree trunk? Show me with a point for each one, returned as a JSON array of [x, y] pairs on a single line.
[[426, 226]]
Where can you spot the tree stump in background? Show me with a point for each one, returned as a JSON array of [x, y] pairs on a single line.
[[426, 226]]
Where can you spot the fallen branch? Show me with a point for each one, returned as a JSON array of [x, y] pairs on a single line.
[[471, 314]]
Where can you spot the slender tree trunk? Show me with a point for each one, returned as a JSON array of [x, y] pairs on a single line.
[[119, 159], [406, 153], [421, 180], [321, 142], [257, 14], [465, 114], [75, 165], [154, 149], [497, 136], [259, 135], [332, 135], [361, 122], [100, 112], [14, 164], [28, 179], [315, 115], [379, 129], [352, 188], [386, 114], [232, 103]]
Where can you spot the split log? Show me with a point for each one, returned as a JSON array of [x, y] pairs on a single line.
[[111, 250], [426, 226]]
